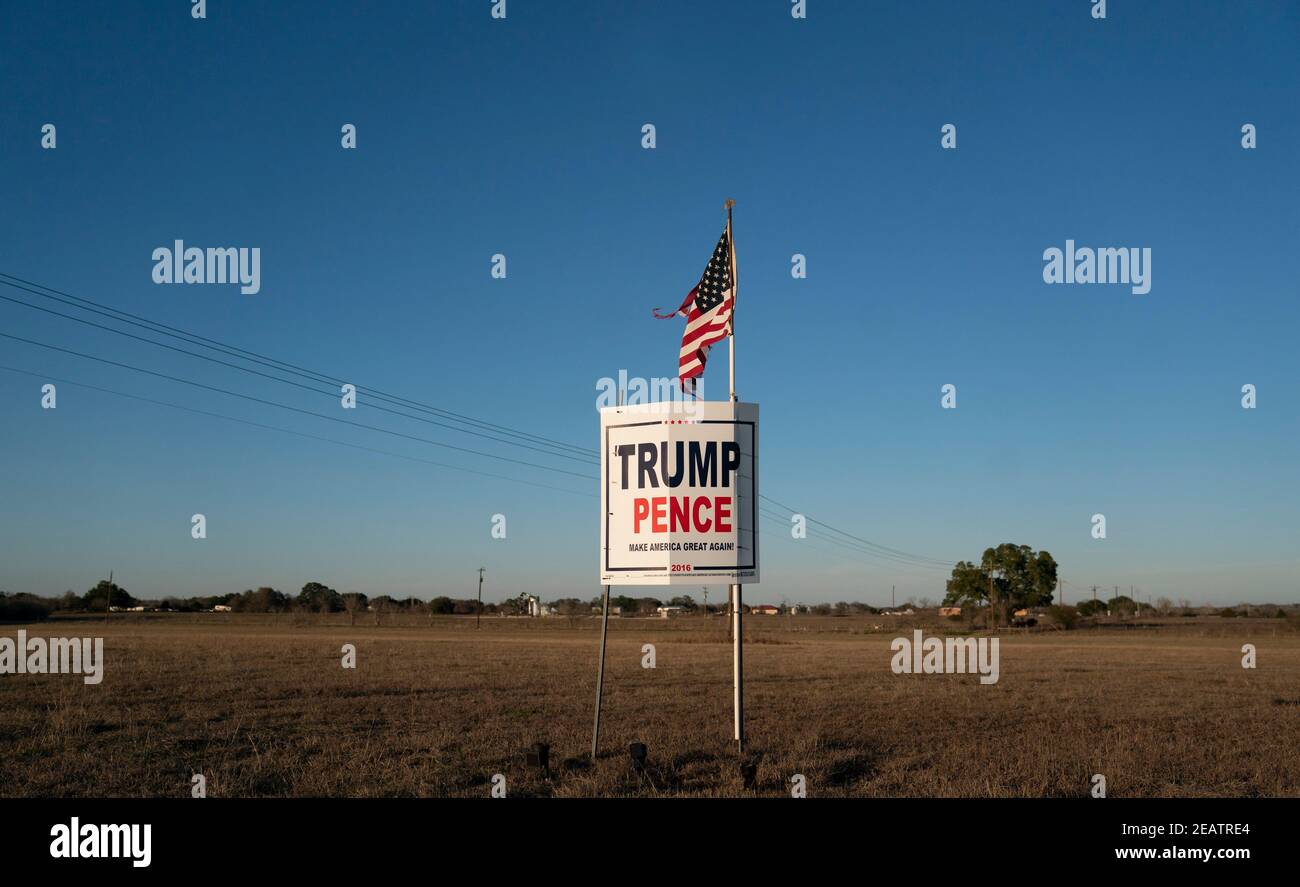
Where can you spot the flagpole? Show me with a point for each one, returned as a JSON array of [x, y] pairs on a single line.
[[731, 321], [737, 654]]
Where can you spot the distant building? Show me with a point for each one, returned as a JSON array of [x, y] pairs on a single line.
[[669, 610], [950, 611], [765, 610], [221, 608]]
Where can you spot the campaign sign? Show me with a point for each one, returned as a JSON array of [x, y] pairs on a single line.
[[679, 494]]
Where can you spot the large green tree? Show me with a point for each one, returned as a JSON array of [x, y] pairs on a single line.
[[107, 594], [1007, 577], [319, 598]]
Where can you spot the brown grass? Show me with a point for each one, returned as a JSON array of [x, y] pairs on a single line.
[[261, 706]]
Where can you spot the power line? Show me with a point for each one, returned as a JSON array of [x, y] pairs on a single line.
[[885, 550], [842, 549], [175, 406], [251, 356], [330, 394], [272, 403], [780, 519]]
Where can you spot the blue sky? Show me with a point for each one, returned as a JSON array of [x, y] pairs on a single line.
[[523, 137]]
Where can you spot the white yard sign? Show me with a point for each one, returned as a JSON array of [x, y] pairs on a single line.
[[679, 495]]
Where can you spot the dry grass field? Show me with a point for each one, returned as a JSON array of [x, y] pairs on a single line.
[[262, 707]]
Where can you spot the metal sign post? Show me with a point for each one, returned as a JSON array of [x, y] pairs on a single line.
[[600, 673], [738, 670]]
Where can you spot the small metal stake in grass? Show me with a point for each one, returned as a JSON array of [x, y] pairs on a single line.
[[539, 756], [749, 773], [637, 751]]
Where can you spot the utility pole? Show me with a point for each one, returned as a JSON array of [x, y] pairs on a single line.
[[1059, 592], [892, 604], [478, 613], [1094, 594], [706, 602]]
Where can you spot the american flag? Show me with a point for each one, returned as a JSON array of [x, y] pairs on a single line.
[[707, 310]]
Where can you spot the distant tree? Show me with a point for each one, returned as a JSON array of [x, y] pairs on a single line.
[[1091, 608], [686, 602], [354, 602], [1008, 577], [318, 598], [263, 600], [22, 608], [571, 606], [107, 594], [1064, 616], [515, 606], [1122, 605], [442, 606], [1164, 605], [969, 585], [267, 600]]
